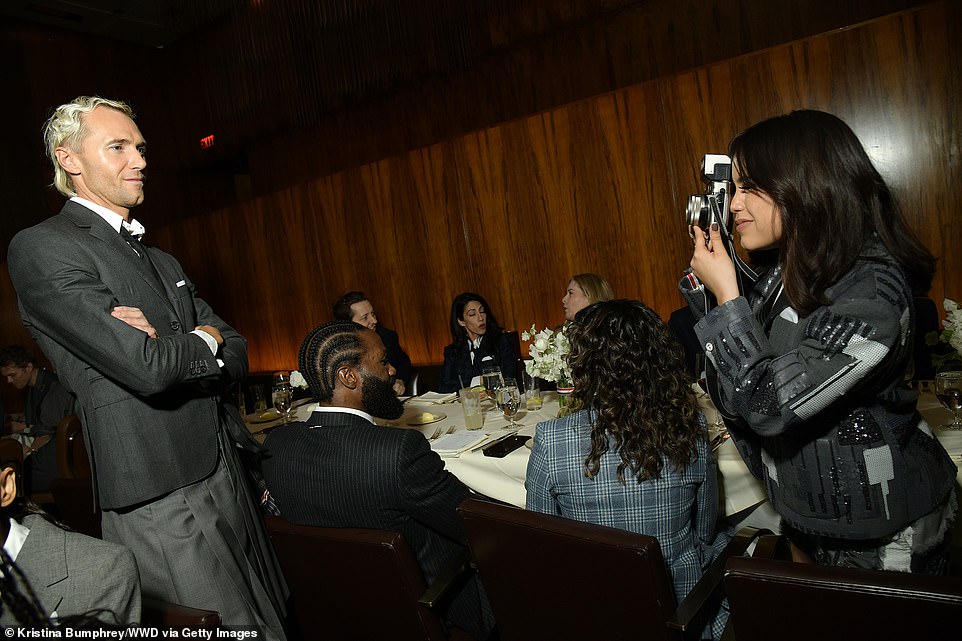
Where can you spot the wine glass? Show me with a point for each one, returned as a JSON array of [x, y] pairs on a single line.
[[281, 396], [948, 389], [509, 399]]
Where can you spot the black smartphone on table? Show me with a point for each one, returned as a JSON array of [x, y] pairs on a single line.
[[505, 446]]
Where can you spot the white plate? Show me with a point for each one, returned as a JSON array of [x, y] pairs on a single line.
[[417, 420]]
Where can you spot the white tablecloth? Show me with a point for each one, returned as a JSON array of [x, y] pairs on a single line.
[[503, 478]]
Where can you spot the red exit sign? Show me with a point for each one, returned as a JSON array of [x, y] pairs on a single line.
[[207, 142]]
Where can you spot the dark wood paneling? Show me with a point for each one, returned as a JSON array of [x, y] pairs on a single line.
[[598, 185], [512, 210]]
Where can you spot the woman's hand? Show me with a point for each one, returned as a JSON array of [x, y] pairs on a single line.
[[713, 268]]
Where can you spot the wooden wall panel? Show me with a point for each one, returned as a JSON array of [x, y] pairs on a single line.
[[511, 211]]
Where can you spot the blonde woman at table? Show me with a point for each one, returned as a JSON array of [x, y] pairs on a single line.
[[637, 457], [811, 360], [584, 290], [478, 341]]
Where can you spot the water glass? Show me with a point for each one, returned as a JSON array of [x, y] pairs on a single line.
[[259, 398], [281, 396], [532, 393], [509, 399], [492, 379], [471, 405]]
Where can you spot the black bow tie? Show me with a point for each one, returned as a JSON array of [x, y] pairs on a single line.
[[132, 241]]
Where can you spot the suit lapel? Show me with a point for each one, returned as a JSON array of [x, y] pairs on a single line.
[[102, 231], [43, 558]]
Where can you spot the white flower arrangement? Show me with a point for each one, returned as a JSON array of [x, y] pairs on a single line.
[[951, 334], [297, 380], [549, 355]]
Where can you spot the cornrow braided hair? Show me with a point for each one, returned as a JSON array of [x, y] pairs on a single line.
[[326, 349]]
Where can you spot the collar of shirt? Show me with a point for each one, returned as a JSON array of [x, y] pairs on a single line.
[[112, 218], [346, 410], [473, 345], [15, 539]]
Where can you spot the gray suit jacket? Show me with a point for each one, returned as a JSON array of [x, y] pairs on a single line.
[[74, 574], [150, 407]]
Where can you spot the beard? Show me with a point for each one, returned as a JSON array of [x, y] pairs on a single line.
[[378, 398]]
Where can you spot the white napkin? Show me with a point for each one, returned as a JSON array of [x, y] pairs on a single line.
[[434, 398], [454, 444]]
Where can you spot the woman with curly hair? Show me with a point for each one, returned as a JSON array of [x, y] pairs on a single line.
[[636, 457]]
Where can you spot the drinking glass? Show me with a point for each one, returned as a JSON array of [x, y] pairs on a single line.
[[509, 399], [281, 395], [948, 389], [492, 379], [532, 393], [471, 404]]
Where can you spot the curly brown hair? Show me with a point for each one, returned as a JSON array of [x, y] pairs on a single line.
[[628, 368]]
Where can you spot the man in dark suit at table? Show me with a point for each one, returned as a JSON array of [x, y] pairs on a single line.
[[150, 363], [340, 469], [354, 306]]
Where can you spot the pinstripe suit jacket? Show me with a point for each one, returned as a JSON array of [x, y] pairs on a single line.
[[339, 470], [150, 407]]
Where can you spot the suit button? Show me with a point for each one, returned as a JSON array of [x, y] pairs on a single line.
[[175, 325]]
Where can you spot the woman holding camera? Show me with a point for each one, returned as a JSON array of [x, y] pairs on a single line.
[[810, 362]]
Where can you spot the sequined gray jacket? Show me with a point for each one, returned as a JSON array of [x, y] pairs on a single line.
[[817, 405]]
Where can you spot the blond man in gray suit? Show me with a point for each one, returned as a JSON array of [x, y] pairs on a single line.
[[150, 363]]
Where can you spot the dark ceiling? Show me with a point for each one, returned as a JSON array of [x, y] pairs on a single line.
[[151, 23]]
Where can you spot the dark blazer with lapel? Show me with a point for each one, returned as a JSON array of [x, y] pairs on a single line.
[[458, 369], [74, 574], [150, 407], [395, 355], [339, 470]]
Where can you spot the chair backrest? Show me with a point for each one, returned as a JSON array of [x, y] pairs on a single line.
[[772, 599], [173, 616], [352, 583], [549, 577], [72, 459], [75, 505]]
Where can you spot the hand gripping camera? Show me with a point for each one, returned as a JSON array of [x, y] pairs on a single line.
[[712, 206]]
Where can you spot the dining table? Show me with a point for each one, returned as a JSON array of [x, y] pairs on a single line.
[[439, 417]]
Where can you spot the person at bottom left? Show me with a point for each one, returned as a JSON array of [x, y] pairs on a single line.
[[340, 469], [72, 575]]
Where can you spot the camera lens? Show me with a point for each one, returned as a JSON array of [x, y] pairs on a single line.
[[699, 212]]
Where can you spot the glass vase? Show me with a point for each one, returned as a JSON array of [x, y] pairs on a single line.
[[566, 404]]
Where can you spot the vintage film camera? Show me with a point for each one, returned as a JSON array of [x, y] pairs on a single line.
[[712, 206]]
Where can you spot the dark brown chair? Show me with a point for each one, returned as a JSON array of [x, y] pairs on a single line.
[[549, 577], [11, 453], [75, 505], [355, 584], [172, 616], [776, 599], [72, 459]]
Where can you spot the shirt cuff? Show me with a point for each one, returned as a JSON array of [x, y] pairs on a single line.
[[210, 340]]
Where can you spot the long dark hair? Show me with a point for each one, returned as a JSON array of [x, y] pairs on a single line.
[[459, 335], [832, 201], [628, 368]]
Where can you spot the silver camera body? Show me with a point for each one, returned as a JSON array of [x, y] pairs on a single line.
[[712, 206]]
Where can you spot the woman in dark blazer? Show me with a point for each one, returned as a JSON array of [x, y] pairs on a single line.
[[478, 341]]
